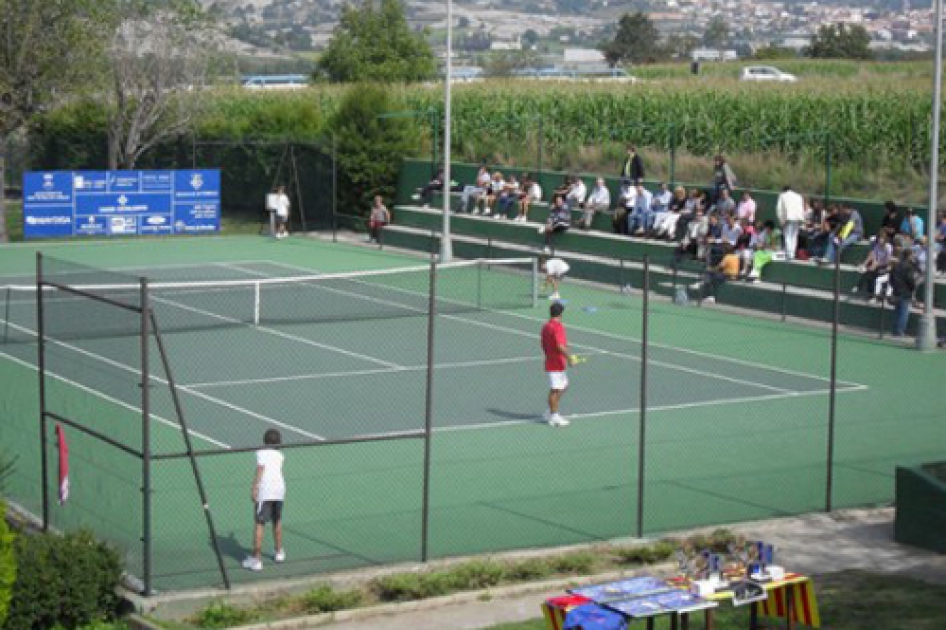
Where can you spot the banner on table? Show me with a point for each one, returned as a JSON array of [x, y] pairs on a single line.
[[113, 203]]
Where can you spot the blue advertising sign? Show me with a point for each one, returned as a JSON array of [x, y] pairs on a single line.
[[106, 203]]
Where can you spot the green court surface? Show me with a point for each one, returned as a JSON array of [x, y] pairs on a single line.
[[736, 422]]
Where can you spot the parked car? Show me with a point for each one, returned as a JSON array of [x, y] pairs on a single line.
[[766, 73]]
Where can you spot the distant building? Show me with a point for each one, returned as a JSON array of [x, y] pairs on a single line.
[[713, 54], [583, 56]]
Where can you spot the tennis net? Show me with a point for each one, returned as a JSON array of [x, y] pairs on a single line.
[[87, 310]]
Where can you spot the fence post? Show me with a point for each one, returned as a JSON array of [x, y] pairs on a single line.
[[145, 440], [673, 155], [833, 384], [41, 370], [641, 445], [428, 412], [538, 176], [334, 192]]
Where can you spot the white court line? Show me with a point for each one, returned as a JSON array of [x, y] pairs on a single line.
[[522, 333], [635, 410], [115, 401], [128, 368], [277, 333], [625, 339], [323, 375]]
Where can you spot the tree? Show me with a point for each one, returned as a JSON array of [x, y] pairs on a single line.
[[506, 63], [716, 34], [680, 46], [637, 41], [160, 56], [530, 38], [840, 41], [369, 147], [45, 52], [772, 52], [374, 43]]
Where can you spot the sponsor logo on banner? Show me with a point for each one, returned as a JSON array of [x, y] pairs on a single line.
[[122, 225], [156, 220], [197, 181], [57, 220], [48, 182]]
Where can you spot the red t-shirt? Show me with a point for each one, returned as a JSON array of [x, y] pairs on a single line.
[[553, 336]]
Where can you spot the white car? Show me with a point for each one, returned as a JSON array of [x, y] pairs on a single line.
[[766, 73]]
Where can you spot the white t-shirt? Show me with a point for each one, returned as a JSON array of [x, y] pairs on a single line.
[[282, 205], [272, 486], [578, 192], [556, 267]]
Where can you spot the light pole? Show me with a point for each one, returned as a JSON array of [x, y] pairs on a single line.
[[446, 247], [926, 330]]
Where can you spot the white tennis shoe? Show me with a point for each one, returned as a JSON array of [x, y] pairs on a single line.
[[279, 556], [557, 420], [253, 564]]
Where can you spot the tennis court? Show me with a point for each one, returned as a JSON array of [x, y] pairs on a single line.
[[736, 408]]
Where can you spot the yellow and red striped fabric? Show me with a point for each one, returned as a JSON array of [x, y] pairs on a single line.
[[804, 602], [556, 608]]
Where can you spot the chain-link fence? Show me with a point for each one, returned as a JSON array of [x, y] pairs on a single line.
[[410, 404]]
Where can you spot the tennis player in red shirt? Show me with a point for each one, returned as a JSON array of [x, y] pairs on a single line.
[[555, 346]]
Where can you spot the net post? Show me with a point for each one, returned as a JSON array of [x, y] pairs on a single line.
[[535, 282], [185, 432], [145, 440], [41, 371], [641, 448], [883, 316], [833, 384], [428, 413], [257, 287]]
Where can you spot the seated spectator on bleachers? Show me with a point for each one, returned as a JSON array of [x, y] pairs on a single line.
[[529, 193], [768, 242], [696, 230], [941, 245], [731, 231], [716, 275], [724, 205], [746, 208], [598, 201], [659, 207], [920, 258], [625, 204], [560, 219], [475, 190], [507, 197], [695, 200], [818, 244], [814, 221], [641, 218], [575, 197], [488, 199], [850, 230], [426, 193], [565, 187], [891, 222], [790, 209], [711, 248], [912, 225], [665, 227], [752, 236], [875, 268]]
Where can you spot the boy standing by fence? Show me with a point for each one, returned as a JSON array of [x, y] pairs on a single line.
[[268, 494]]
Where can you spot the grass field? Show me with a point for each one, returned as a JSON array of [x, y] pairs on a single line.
[[736, 427]]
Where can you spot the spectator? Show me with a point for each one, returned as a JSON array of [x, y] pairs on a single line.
[[718, 274], [731, 231], [282, 206], [941, 245], [474, 191], [814, 222], [850, 230], [891, 222], [529, 193], [626, 199], [723, 177], [633, 168], [659, 207], [875, 269], [768, 241], [666, 227], [696, 230], [724, 205], [565, 187], [377, 219], [912, 225], [746, 208], [711, 249], [426, 194], [508, 196], [819, 243], [641, 218], [696, 200], [751, 240], [559, 221], [920, 258], [903, 285], [496, 187], [575, 197], [790, 209], [598, 201]]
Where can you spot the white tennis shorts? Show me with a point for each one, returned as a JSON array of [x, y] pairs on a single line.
[[558, 380]]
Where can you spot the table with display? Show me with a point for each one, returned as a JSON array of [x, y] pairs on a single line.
[[790, 598]]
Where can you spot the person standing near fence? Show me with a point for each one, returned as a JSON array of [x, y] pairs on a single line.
[[281, 204], [903, 285], [791, 215], [379, 217], [557, 359], [268, 494]]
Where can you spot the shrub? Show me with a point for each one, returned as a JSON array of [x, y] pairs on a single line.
[[478, 574], [220, 614], [530, 569], [326, 599], [579, 562], [7, 564], [644, 555], [68, 580]]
